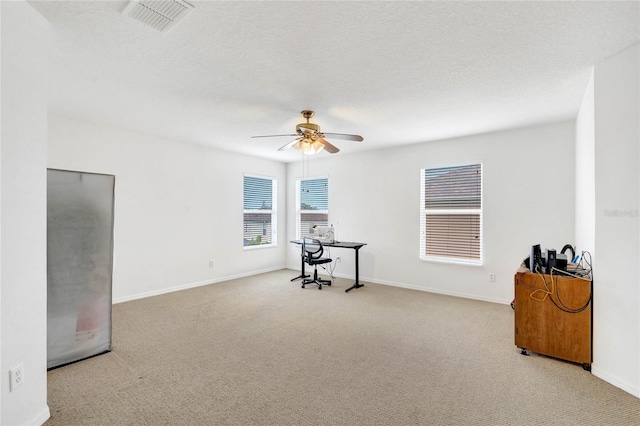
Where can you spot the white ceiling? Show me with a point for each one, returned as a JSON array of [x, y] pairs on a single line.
[[394, 72]]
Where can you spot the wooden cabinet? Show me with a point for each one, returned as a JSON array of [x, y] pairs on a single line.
[[553, 316]]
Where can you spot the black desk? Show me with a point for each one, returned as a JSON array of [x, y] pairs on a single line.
[[339, 244]]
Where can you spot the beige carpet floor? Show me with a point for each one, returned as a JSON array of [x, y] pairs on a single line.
[[263, 351]]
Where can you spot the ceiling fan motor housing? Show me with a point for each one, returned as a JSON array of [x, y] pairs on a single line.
[[307, 114], [310, 126]]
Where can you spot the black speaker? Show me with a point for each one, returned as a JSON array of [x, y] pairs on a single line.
[[561, 261], [551, 259], [535, 260]]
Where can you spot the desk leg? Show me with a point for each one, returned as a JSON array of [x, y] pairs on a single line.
[[302, 274], [357, 283]]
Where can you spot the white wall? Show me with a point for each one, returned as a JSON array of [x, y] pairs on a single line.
[[177, 205], [23, 156], [616, 333], [585, 174], [374, 198]]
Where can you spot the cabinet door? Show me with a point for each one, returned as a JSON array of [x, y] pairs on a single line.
[[549, 318]]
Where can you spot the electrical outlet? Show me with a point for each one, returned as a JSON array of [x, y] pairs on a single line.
[[211, 263], [16, 377], [492, 278]]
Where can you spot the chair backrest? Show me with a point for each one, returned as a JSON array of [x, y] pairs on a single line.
[[312, 248]]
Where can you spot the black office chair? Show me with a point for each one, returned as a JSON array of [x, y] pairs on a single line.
[[312, 250]]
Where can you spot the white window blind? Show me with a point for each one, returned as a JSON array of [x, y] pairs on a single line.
[[312, 201], [451, 214], [260, 219]]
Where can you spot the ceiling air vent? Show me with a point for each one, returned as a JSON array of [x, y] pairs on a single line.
[[159, 14]]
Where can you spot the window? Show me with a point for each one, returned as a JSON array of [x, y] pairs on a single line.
[[312, 205], [260, 219], [451, 214]]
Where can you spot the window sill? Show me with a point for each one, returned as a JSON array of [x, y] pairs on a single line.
[[452, 261], [257, 247]]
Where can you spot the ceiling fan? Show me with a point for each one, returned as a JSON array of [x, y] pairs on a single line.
[[309, 138]]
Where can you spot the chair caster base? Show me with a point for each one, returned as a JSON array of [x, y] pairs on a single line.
[[314, 283]]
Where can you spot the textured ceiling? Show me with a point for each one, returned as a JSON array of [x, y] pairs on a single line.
[[394, 72]]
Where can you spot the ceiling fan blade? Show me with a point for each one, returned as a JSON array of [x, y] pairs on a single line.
[[275, 136], [328, 147], [356, 138], [289, 145]]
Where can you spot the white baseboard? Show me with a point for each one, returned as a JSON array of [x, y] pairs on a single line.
[[615, 381], [41, 418], [191, 285], [414, 287], [437, 291]]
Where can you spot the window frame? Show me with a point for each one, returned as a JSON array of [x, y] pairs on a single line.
[[273, 212], [300, 212], [424, 212]]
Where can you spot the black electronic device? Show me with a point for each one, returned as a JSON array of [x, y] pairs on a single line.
[[535, 259], [557, 261], [551, 259]]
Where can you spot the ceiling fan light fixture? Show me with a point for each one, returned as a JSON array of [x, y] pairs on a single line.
[[308, 146], [302, 145], [317, 146]]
